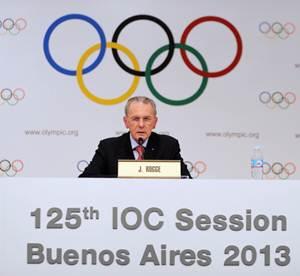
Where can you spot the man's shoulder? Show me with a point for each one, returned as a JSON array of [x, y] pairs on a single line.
[[164, 138], [115, 140]]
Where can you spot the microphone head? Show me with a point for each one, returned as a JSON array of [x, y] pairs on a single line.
[[140, 141]]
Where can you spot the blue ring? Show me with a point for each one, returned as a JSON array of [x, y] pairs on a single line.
[[70, 17]]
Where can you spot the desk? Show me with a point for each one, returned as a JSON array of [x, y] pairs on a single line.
[[63, 226]]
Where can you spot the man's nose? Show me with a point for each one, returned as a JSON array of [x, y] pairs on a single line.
[[141, 123]]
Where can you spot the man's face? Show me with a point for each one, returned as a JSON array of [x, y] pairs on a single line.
[[140, 120]]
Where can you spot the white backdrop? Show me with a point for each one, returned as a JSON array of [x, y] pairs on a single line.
[[49, 125]]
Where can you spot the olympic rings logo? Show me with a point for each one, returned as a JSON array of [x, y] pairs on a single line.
[[10, 168], [278, 170], [277, 29], [14, 27], [197, 168], [11, 97], [136, 71], [283, 100]]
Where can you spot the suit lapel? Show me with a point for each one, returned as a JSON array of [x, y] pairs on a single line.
[[125, 148], [152, 149]]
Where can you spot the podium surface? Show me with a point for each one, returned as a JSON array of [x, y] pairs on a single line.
[[88, 226]]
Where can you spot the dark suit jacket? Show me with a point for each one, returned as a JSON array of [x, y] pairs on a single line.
[[105, 160]]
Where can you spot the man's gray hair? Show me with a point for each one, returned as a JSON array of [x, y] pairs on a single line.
[[140, 99]]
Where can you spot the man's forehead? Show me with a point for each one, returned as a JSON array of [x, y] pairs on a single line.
[[139, 107], [141, 115]]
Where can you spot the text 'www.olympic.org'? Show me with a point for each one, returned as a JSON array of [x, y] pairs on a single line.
[[228, 134], [52, 132]]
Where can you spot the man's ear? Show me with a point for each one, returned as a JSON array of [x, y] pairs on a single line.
[[155, 122], [125, 120]]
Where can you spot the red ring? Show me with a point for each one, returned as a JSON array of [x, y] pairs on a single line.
[[22, 95], [293, 169], [204, 167], [15, 167], [238, 41]]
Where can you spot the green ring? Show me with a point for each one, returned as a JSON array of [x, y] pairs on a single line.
[[165, 100]]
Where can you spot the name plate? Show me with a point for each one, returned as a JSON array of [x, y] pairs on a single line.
[[149, 169]]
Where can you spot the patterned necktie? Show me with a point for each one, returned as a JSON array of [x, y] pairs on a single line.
[[140, 150]]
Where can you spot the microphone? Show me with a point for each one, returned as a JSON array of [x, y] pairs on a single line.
[[140, 141]]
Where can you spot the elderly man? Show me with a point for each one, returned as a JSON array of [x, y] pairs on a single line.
[[139, 143]]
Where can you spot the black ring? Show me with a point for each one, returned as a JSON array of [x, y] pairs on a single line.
[[9, 165], [277, 164], [10, 20], [2, 93], [78, 165], [274, 99], [155, 20]]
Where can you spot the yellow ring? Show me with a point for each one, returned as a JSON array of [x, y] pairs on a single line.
[[88, 93]]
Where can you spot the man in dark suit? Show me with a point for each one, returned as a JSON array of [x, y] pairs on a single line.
[[140, 118]]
